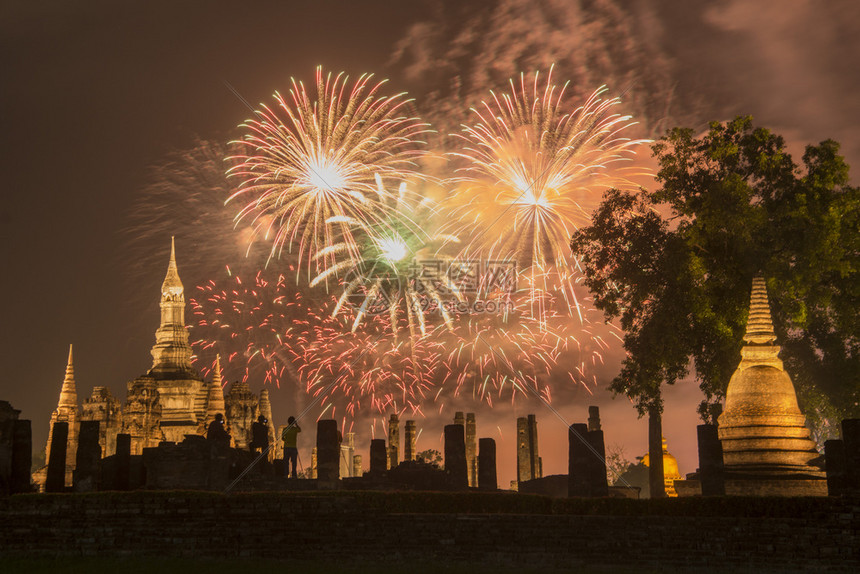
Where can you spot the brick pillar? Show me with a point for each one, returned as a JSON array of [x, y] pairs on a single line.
[[123, 461], [55, 481], [409, 441], [393, 441], [535, 462], [472, 449], [597, 484], [487, 464], [523, 456], [88, 457], [834, 463], [455, 455], [328, 451], [577, 460], [593, 418], [356, 465], [22, 456], [851, 445], [378, 457], [710, 461]]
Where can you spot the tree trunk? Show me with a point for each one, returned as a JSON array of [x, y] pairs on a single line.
[[655, 453]]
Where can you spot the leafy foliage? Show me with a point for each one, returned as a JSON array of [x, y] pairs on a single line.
[[675, 265]]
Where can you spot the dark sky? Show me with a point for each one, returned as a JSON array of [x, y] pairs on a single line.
[[94, 95]]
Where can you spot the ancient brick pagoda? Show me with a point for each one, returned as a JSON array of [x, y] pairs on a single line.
[[767, 449], [167, 403]]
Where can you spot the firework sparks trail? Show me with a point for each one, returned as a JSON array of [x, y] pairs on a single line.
[[268, 329], [401, 270], [309, 167], [533, 174]]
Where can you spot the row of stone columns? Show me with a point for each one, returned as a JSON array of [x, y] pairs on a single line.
[[88, 472]]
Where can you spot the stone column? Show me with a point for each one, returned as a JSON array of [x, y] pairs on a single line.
[[378, 457], [536, 465], [851, 445], [577, 461], [523, 456], [393, 441], [88, 457], [472, 449], [487, 479], [328, 451], [593, 418], [123, 461], [347, 451], [710, 460], [56, 477], [455, 455], [834, 461], [597, 483], [409, 441], [22, 456]]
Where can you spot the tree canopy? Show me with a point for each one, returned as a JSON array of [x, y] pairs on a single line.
[[675, 265]]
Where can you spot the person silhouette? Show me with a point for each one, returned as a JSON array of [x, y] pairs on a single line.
[[260, 435], [291, 451], [217, 433]]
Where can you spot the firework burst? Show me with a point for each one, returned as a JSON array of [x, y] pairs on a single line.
[[401, 270], [309, 167], [266, 328], [333, 179], [534, 172]]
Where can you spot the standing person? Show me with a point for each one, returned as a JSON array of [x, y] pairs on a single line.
[[260, 435], [217, 433], [291, 451]]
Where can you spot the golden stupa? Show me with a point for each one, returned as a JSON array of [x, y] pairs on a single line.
[[762, 430], [671, 473]]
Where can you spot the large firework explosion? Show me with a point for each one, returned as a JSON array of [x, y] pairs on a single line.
[[367, 329], [534, 170], [309, 168]]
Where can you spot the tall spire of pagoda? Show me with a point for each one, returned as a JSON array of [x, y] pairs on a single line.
[[69, 392], [759, 324], [171, 353], [760, 346], [216, 391], [172, 285]]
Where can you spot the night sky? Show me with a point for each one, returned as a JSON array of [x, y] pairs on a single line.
[[95, 95]]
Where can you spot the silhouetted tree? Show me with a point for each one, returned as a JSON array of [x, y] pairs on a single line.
[[675, 265]]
